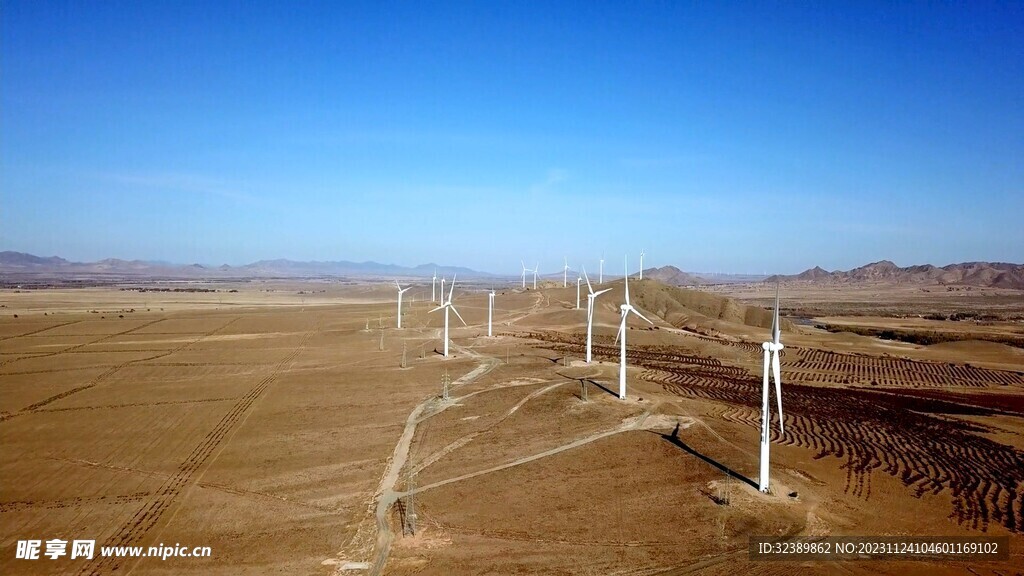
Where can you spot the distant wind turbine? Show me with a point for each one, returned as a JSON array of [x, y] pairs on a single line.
[[621, 337], [600, 271], [433, 284], [400, 292], [525, 270], [591, 297], [641, 264], [772, 349], [565, 274], [578, 280], [535, 268], [446, 306], [490, 311]]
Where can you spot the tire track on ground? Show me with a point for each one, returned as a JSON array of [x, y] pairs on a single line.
[[78, 346], [34, 332], [114, 369], [136, 528]]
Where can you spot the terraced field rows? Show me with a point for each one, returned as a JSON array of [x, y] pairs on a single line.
[[811, 365], [905, 437]]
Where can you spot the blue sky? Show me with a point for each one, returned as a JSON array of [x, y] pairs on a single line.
[[735, 137]]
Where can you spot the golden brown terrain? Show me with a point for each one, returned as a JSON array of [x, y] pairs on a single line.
[[278, 426]]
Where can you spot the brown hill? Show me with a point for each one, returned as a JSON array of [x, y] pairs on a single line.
[[681, 307], [982, 274], [673, 276]]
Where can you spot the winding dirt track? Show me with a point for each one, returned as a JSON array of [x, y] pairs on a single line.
[[386, 495], [634, 424]]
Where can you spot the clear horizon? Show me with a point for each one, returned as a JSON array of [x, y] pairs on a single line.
[[741, 138]]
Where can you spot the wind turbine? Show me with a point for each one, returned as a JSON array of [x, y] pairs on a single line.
[[578, 280], [446, 306], [772, 349], [600, 271], [433, 284], [535, 268], [400, 292], [641, 264], [565, 274], [490, 311], [442, 290], [626, 309], [525, 270], [590, 309]]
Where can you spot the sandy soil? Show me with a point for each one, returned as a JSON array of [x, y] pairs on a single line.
[[276, 428]]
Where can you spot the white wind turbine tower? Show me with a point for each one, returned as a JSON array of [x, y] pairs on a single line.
[[490, 311], [772, 349], [565, 274], [641, 264], [591, 297], [578, 280], [626, 309], [400, 292], [446, 306], [535, 268], [600, 271], [525, 270], [433, 285]]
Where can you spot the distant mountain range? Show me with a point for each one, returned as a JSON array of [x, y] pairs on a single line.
[[21, 264], [15, 265], [982, 274]]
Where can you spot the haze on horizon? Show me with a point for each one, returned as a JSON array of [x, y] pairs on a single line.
[[736, 138]]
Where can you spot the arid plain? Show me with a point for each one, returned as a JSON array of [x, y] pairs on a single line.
[[290, 427]]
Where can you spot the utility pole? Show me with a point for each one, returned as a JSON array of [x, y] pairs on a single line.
[[445, 383], [410, 505], [403, 355]]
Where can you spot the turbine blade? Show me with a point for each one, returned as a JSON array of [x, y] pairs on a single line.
[[589, 287], [596, 294], [776, 328], [625, 274], [452, 291], [637, 312], [436, 309], [457, 314], [621, 326], [776, 371]]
